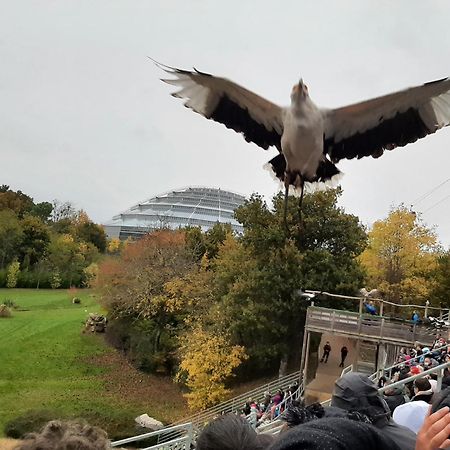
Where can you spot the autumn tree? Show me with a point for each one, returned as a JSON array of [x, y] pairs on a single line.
[[134, 291], [207, 361], [401, 256]]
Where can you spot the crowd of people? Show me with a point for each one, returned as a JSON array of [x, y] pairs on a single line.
[[357, 418], [257, 412]]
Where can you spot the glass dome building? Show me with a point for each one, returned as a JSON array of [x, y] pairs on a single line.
[[192, 206]]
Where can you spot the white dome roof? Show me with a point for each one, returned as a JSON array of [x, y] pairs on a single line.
[[192, 206]]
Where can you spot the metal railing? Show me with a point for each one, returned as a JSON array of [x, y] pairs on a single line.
[[438, 369], [374, 328], [233, 405], [184, 435]]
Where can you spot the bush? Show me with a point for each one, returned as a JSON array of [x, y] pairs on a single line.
[[9, 303], [31, 421], [5, 311], [12, 274]]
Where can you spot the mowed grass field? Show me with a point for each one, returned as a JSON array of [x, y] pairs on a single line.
[[47, 363]]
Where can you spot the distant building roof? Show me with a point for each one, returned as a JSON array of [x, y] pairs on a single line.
[[192, 206]]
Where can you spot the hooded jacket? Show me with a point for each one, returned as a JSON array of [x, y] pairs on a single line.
[[355, 392]]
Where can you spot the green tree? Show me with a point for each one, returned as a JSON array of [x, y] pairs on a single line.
[[11, 235], [36, 237], [69, 258], [401, 256], [93, 233], [258, 278], [441, 280], [42, 210]]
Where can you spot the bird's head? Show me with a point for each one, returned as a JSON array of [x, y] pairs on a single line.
[[299, 91]]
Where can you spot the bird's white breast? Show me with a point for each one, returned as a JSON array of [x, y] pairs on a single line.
[[302, 140]]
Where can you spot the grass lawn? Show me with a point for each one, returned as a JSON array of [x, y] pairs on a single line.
[[47, 363]]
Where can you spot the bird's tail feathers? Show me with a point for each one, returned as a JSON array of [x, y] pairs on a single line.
[[328, 176]]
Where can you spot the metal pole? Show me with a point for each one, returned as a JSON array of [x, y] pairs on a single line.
[[305, 369], [302, 360]]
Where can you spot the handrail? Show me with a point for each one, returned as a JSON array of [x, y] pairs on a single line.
[[439, 368], [349, 297], [236, 402], [232, 405], [185, 426], [423, 355]]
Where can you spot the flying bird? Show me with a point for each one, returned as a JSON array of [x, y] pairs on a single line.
[[311, 139]]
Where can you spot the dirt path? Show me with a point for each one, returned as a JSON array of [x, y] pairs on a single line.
[[321, 388]]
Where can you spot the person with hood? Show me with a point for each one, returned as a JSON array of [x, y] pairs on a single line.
[[394, 397], [412, 414], [356, 392]]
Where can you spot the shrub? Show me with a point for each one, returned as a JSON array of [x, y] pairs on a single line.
[[12, 274], [5, 311], [31, 421], [55, 281], [9, 303]]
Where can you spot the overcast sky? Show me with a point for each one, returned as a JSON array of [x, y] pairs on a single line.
[[84, 117]]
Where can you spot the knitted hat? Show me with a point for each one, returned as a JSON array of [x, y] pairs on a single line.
[[334, 434]]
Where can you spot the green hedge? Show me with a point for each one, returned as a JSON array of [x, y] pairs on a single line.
[[29, 279]]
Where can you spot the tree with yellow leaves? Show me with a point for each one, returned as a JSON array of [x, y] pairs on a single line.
[[401, 256], [207, 361]]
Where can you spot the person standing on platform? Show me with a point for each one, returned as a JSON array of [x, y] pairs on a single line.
[[344, 353], [326, 352]]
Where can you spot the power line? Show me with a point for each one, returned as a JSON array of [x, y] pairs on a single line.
[[438, 203], [427, 194]]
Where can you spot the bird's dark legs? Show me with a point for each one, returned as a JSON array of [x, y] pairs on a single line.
[[286, 198], [300, 202]]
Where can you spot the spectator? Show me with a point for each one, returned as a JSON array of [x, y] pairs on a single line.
[[230, 432], [412, 415], [422, 390], [370, 308], [326, 352], [334, 434], [415, 318], [355, 392], [394, 397]]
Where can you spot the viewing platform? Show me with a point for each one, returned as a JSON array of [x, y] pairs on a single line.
[[377, 329]]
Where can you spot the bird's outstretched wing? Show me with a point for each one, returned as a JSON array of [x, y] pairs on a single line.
[[259, 120], [383, 123]]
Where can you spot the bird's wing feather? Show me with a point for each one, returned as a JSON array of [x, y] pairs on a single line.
[[259, 120], [394, 120]]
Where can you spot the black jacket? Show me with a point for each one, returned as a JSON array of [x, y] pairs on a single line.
[[355, 392]]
